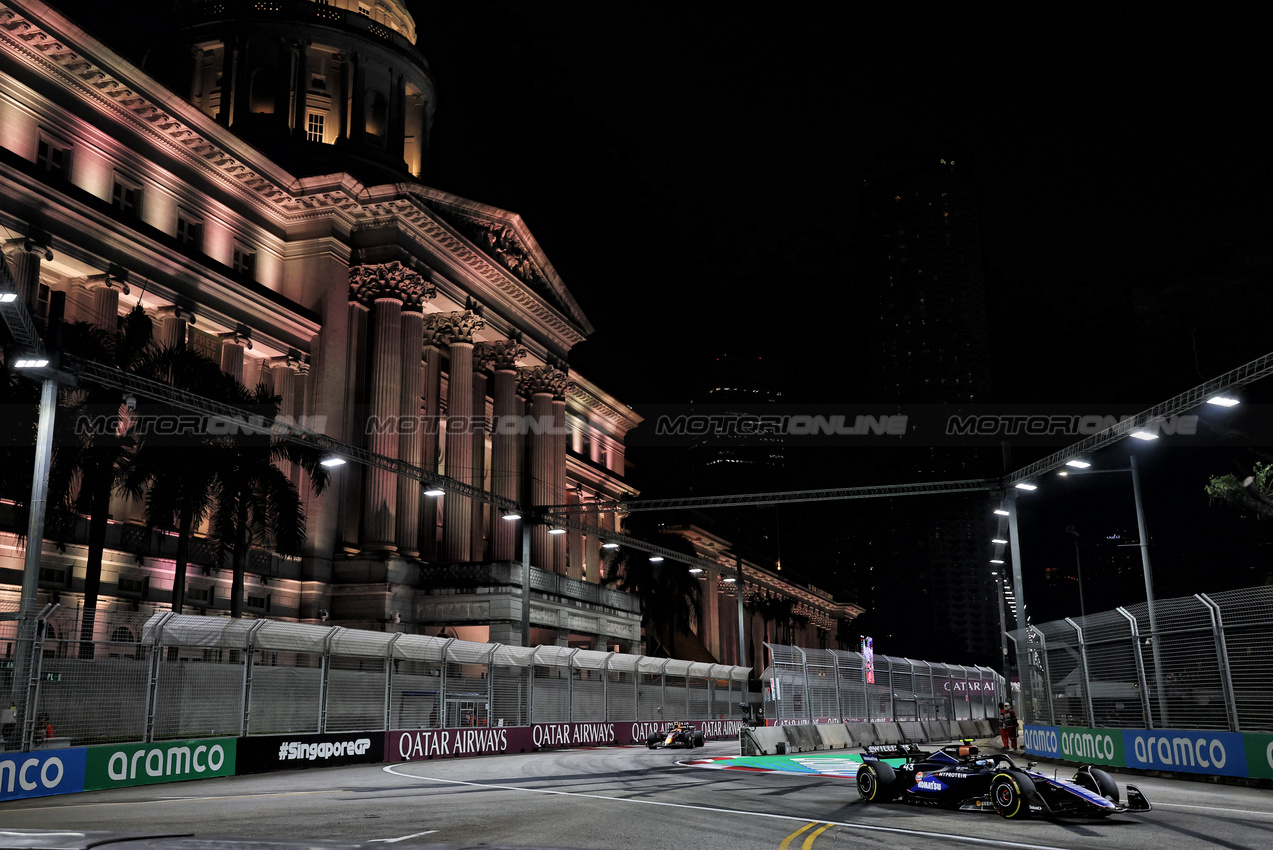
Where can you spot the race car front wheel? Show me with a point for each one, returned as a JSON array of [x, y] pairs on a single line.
[[1009, 794], [1098, 782], [876, 782]]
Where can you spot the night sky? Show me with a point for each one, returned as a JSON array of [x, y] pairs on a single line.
[[693, 171]]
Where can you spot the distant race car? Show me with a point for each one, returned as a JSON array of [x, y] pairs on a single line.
[[678, 735], [959, 777]]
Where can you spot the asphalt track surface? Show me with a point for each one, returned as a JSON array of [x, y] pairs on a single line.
[[627, 797]]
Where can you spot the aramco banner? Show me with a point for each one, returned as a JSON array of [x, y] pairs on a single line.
[[1171, 750], [40, 774], [121, 765]]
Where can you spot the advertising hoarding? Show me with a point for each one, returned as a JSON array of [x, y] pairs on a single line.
[[41, 773], [263, 753], [122, 765]]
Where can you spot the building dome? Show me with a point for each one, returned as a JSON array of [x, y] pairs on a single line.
[[320, 85]]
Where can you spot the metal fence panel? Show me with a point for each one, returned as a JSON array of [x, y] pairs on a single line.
[[285, 692], [355, 694], [510, 695]]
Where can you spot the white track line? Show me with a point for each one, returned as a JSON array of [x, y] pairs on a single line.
[[403, 838], [891, 829], [1215, 809]]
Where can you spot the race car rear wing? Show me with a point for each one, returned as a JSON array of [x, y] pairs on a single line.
[[893, 750]]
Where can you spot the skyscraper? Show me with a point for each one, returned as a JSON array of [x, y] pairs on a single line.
[[921, 269]]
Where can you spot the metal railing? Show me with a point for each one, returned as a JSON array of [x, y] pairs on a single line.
[[1098, 671], [831, 686], [159, 676]]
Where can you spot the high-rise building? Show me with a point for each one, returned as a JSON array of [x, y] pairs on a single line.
[[921, 272]]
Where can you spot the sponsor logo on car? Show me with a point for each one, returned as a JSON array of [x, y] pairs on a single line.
[[929, 784]]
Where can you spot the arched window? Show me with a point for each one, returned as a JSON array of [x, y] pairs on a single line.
[[261, 91], [377, 113]]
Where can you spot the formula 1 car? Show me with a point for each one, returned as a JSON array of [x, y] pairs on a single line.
[[959, 777], [678, 735]]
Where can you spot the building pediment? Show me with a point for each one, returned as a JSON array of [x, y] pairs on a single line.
[[506, 240]]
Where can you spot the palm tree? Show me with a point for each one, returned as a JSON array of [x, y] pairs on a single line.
[[669, 593], [176, 481], [95, 459], [255, 501]]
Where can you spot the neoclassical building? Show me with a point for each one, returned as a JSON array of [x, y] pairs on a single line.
[[818, 620], [257, 191]]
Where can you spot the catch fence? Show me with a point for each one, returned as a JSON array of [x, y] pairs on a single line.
[[1206, 665], [170, 677], [832, 686]]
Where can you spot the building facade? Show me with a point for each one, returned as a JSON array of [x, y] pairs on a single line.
[[261, 201]]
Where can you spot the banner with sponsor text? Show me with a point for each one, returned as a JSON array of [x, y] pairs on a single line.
[[417, 744], [264, 753], [1172, 750], [122, 765], [42, 773]]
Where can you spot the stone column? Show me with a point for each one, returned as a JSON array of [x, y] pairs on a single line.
[[540, 384], [106, 291], [380, 500], [457, 329], [430, 442], [232, 347], [592, 548], [574, 540], [26, 267], [389, 287], [506, 442], [559, 437], [410, 439], [172, 326], [483, 364]]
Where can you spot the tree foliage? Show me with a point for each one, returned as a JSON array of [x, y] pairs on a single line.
[[1252, 495]]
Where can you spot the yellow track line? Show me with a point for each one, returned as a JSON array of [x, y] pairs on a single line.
[[808, 842], [786, 842]]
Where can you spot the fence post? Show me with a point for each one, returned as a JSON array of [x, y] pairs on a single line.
[[152, 682], [1087, 679], [1140, 668], [442, 714], [490, 683], [35, 673], [324, 681], [1047, 673], [605, 688], [835, 677], [249, 657], [636, 691], [866, 692], [892, 692], [1222, 651], [570, 686], [389, 681], [804, 671]]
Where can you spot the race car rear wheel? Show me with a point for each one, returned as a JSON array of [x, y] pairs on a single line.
[[1098, 782], [1010, 793], [652, 741], [698, 739], [876, 782]]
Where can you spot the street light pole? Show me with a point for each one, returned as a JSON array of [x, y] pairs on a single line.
[[35, 544], [1078, 565], [1149, 591]]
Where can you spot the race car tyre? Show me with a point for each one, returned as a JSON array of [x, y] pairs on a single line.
[[699, 740], [1010, 793], [1098, 782], [651, 741], [876, 782]]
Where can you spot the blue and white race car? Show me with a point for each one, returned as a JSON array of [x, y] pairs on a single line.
[[959, 777]]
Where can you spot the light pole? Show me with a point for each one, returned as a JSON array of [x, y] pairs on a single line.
[[1078, 566], [1081, 468]]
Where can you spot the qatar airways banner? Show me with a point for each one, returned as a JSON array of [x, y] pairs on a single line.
[[421, 744]]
